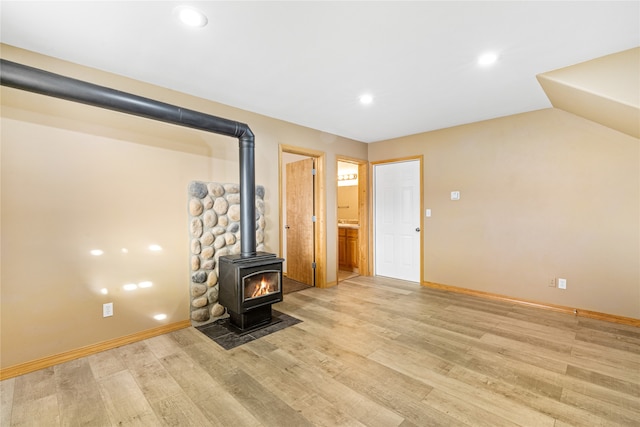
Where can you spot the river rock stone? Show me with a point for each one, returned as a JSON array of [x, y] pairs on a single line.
[[208, 264], [221, 252], [233, 199], [198, 289], [207, 202], [234, 213], [223, 221], [259, 236], [217, 310], [229, 238], [207, 239], [212, 279], [196, 227], [200, 315], [260, 206], [195, 246], [195, 262], [216, 189], [220, 242], [260, 191], [220, 206], [234, 227], [197, 189], [199, 302], [232, 188], [199, 277], [212, 294], [207, 253], [210, 218], [218, 230], [195, 207], [235, 249]]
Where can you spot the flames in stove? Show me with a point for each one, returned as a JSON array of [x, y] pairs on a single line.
[[260, 284], [262, 288]]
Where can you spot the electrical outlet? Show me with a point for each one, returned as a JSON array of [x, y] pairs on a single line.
[[562, 283], [552, 282], [107, 309]]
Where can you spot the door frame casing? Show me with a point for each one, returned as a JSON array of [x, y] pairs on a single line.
[[364, 264], [320, 230], [419, 158]]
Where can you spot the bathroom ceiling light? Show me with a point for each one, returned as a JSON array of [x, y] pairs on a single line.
[[130, 287], [145, 284], [487, 59], [155, 248], [191, 17]]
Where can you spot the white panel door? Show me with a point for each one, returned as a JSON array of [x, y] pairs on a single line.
[[397, 220]]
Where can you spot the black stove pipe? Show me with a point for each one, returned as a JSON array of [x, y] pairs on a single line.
[[31, 79]]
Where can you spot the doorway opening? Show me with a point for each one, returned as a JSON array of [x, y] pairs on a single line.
[[302, 215], [352, 214]]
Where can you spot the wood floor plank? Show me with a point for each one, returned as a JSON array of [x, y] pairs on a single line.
[[294, 393], [6, 401], [105, 363], [619, 416], [79, 399], [42, 411], [368, 352], [211, 398], [125, 402], [178, 410], [154, 381], [545, 405], [35, 400], [438, 380]]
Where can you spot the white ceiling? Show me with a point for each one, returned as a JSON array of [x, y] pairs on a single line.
[[308, 62]]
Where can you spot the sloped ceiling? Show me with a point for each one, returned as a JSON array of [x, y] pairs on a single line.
[[605, 90]]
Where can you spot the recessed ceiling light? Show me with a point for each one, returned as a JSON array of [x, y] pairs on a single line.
[[366, 99], [191, 17], [487, 58], [96, 252]]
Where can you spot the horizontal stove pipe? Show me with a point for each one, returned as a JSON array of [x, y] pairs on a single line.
[[31, 79]]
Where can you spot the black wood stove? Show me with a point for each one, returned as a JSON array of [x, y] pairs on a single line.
[[248, 287]]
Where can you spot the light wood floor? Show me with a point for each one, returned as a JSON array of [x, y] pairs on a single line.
[[370, 351]]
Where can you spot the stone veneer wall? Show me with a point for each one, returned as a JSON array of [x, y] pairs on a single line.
[[214, 229]]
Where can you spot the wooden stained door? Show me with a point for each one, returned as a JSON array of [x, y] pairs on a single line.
[[299, 225]]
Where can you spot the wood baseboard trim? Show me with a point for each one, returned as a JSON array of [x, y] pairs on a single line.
[[545, 306], [45, 362]]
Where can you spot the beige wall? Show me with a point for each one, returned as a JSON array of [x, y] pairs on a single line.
[[348, 202], [76, 178], [543, 194]]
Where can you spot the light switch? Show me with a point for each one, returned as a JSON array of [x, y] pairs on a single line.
[[428, 213], [455, 195]]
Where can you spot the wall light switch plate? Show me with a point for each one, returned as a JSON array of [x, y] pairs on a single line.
[[455, 195], [428, 213], [562, 283]]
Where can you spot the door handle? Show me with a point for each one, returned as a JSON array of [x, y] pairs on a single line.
[[287, 227], [418, 229]]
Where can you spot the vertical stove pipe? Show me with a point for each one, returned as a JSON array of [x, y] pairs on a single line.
[[31, 79]]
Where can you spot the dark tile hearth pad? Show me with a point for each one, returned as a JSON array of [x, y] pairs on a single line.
[[228, 336]]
